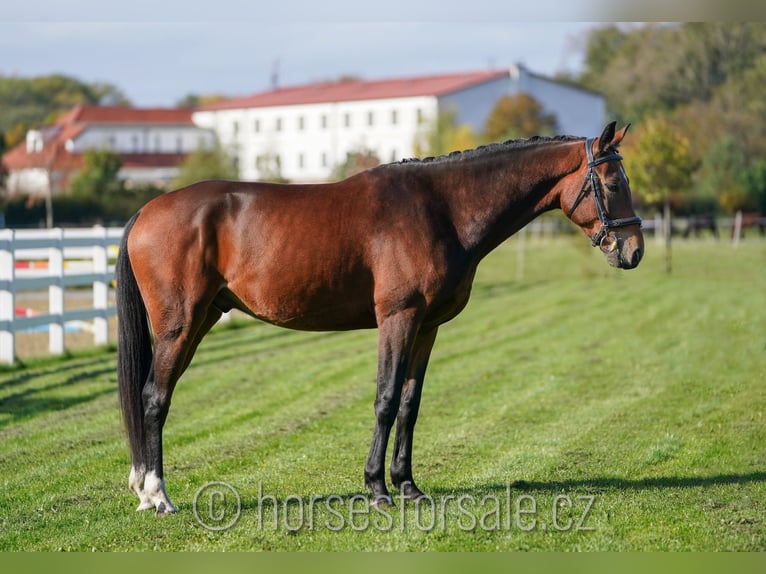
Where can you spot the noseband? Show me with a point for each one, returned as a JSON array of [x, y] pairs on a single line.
[[598, 197]]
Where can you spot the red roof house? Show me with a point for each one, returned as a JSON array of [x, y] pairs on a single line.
[[151, 143]]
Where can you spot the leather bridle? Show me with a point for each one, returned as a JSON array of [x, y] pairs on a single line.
[[593, 182]]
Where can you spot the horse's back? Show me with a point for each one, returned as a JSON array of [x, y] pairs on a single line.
[[291, 255]]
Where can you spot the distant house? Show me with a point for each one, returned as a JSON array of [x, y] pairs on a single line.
[[302, 132], [151, 143]]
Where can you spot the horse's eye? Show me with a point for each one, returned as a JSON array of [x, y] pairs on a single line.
[[613, 187]]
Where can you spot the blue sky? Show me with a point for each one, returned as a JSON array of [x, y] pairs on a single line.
[[158, 54], [157, 51], [157, 63]]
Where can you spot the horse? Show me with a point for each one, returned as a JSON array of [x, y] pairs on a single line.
[[395, 247], [749, 219], [697, 223]]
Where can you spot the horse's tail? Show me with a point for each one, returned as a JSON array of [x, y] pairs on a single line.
[[134, 349]]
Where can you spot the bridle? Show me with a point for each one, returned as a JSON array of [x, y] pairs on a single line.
[[593, 181]]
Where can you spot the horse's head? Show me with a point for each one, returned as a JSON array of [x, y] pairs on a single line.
[[601, 204]]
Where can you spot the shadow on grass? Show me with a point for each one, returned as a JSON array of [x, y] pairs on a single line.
[[254, 500], [33, 402], [611, 483], [20, 374]]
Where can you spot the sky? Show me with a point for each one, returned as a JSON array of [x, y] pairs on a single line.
[[158, 51], [157, 63]]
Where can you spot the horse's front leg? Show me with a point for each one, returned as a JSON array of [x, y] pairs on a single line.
[[396, 334], [401, 461]]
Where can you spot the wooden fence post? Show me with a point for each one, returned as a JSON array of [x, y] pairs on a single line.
[[737, 228]]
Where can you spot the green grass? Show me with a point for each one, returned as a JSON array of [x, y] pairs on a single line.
[[635, 396]]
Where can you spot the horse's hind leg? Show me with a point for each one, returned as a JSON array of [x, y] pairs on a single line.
[[173, 351], [401, 461]]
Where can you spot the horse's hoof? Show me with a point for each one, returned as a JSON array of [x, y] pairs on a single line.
[[382, 501], [145, 506], [410, 491], [165, 509]]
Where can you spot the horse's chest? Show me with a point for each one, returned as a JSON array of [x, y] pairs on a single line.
[[449, 297]]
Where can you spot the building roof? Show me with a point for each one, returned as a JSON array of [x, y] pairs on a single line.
[[125, 115], [69, 125], [345, 90]]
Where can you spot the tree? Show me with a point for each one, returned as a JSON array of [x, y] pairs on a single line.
[[444, 136], [99, 178], [518, 116], [196, 100], [654, 69], [659, 165], [722, 175], [38, 100], [356, 161], [270, 167], [3, 171], [755, 186], [204, 164]]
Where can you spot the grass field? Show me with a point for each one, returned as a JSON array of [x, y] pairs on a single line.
[[580, 408]]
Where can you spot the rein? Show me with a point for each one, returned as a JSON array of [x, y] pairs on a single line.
[[602, 238]]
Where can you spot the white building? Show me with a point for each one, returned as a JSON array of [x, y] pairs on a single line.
[[151, 144], [303, 132]]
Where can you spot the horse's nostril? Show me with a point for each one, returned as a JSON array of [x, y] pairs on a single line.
[[637, 254]]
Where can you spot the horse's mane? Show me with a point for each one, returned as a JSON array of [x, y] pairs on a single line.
[[491, 149]]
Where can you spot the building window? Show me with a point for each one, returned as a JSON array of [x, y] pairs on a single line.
[[134, 143], [421, 119], [157, 143], [301, 123], [278, 125], [347, 120], [324, 159], [324, 121], [235, 128], [301, 161], [394, 118], [370, 118], [179, 144], [257, 126]]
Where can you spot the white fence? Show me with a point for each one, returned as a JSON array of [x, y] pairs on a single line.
[[55, 259]]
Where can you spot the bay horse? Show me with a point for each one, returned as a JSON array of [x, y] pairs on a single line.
[[395, 248]]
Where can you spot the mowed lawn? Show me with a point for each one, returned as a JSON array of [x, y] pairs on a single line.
[[575, 408]]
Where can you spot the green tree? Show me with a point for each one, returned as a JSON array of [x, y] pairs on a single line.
[[755, 186], [38, 100], [654, 69], [518, 116], [658, 161], [204, 164], [602, 46], [196, 100], [722, 175], [3, 171], [99, 178], [444, 136], [356, 161], [660, 166]]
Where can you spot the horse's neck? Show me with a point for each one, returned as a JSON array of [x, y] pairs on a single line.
[[495, 197]]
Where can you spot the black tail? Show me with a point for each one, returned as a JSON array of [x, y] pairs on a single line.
[[134, 349]]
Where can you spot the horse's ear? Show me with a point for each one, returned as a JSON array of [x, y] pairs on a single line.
[[619, 135], [605, 139]]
